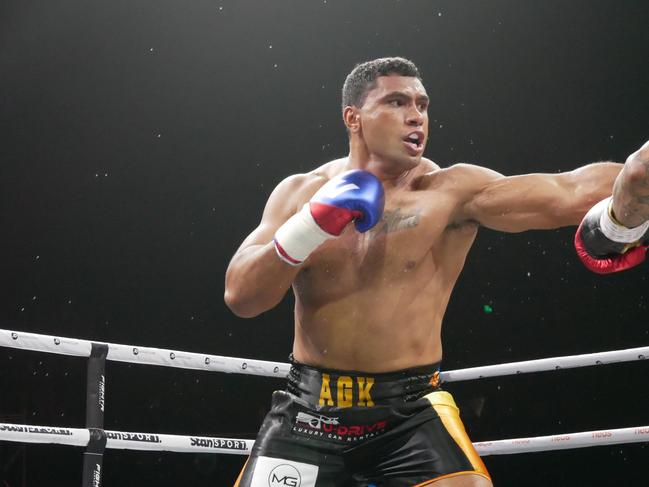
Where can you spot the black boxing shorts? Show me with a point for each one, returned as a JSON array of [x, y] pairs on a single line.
[[337, 428]]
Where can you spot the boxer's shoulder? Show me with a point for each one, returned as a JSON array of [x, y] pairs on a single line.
[[297, 189], [458, 178], [468, 175], [303, 186], [316, 177], [329, 170]]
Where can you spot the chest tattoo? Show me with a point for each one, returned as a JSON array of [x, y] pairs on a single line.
[[394, 220]]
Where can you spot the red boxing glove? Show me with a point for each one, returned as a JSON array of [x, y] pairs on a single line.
[[605, 246], [608, 265]]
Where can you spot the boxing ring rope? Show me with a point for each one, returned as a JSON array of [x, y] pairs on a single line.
[[96, 439], [122, 440], [143, 355], [216, 363]]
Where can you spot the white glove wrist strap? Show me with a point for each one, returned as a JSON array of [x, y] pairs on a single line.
[[613, 230], [299, 236]]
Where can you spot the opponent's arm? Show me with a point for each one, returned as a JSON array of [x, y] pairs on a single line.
[[613, 235], [631, 191], [535, 201]]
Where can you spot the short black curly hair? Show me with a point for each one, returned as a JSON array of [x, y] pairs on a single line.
[[363, 77]]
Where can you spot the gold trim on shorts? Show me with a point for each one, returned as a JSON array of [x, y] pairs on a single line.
[[236, 484], [449, 413]]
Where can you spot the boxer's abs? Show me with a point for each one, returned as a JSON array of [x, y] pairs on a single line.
[[363, 341], [379, 310]]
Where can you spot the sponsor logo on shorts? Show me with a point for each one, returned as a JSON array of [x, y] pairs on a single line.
[[142, 437], [328, 428], [346, 391], [284, 475], [280, 472], [226, 443], [315, 420]]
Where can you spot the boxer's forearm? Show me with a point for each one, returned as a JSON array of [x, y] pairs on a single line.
[[257, 280], [631, 190]]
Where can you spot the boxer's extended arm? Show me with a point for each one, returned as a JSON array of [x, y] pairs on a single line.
[[256, 279], [631, 191], [535, 201]]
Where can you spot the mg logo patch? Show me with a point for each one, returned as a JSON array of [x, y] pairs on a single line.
[[283, 476], [278, 472]]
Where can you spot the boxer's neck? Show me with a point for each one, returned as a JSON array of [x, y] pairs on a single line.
[[390, 172]]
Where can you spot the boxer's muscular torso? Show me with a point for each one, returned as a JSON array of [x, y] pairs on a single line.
[[375, 301]]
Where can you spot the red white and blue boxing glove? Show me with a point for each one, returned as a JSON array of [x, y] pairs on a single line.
[[356, 196], [605, 246]]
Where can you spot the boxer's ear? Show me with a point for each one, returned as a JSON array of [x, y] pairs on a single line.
[[351, 117]]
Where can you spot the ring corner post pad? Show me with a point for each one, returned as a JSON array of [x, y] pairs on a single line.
[[93, 458], [95, 400]]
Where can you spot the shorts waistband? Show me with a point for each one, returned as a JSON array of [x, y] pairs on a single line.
[[322, 387]]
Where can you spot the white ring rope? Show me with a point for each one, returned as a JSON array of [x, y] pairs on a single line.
[[204, 444], [545, 364], [122, 440], [566, 441], [143, 355], [218, 363]]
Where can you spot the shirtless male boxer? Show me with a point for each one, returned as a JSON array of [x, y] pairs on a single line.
[[363, 405], [614, 234]]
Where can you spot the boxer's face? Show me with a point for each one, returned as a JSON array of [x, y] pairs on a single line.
[[394, 120]]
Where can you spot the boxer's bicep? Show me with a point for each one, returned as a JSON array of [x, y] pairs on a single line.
[[543, 201], [526, 202], [256, 280]]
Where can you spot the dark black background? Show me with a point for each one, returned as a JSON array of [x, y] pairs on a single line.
[[139, 140]]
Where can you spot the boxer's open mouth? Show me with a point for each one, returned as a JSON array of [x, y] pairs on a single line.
[[414, 141]]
